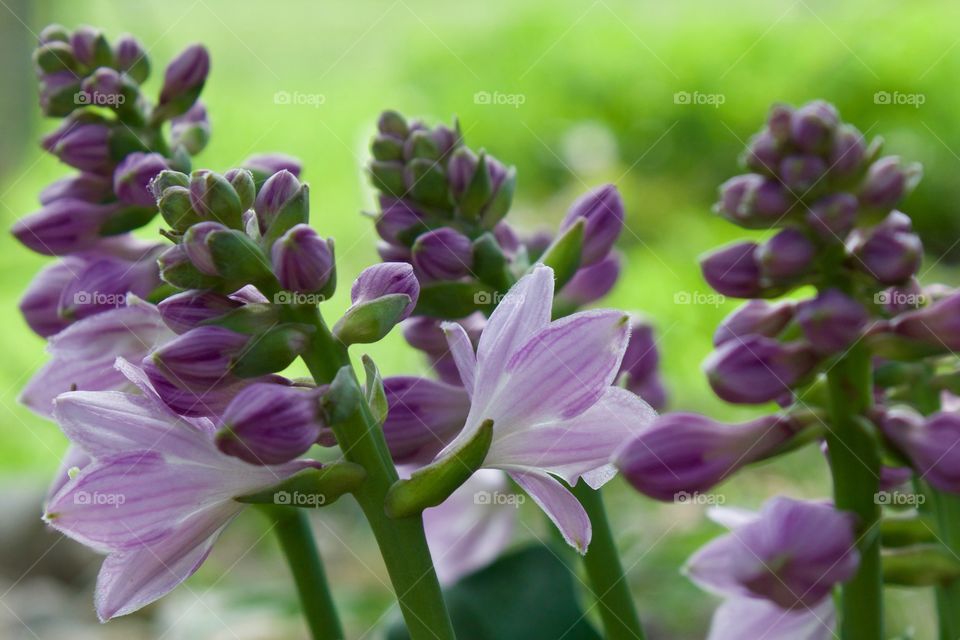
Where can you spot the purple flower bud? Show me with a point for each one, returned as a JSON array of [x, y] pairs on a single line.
[[83, 41], [832, 321], [58, 93], [41, 301], [801, 173], [931, 445], [393, 253], [733, 270], [270, 424], [780, 122], [460, 171], [267, 164], [103, 284], [507, 238], [89, 187], [276, 192], [423, 416], [602, 209], [752, 201], [424, 333], [834, 216], [198, 251], [192, 129], [589, 284], [185, 74], [302, 260], [684, 453], [396, 218], [937, 325], [103, 87], [792, 554], [887, 182], [889, 252], [786, 256], [384, 279], [443, 254], [186, 310], [85, 146], [132, 58], [757, 369], [812, 126], [651, 390], [755, 317], [63, 226], [641, 358], [848, 150], [200, 359], [763, 153], [131, 178]]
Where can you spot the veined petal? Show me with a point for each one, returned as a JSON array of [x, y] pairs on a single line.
[[462, 351], [59, 376], [712, 567], [74, 457], [559, 504], [130, 580], [740, 618], [573, 447], [132, 329]]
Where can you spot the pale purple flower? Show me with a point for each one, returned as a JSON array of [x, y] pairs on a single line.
[[547, 388], [40, 304], [104, 282], [185, 74], [63, 226], [931, 444], [155, 496]]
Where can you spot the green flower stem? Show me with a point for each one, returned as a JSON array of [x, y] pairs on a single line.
[[855, 464], [605, 571], [296, 540], [402, 541]]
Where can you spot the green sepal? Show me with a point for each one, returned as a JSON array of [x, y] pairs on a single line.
[[184, 275], [176, 209], [489, 264], [127, 219], [920, 566], [250, 319], [102, 53], [497, 208], [434, 483], [63, 102], [904, 531], [428, 183], [55, 56], [295, 211], [563, 256], [453, 300], [273, 350], [325, 484], [238, 259], [342, 398], [388, 177], [478, 192], [374, 392], [387, 148], [123, 141], [370, 321], [220, 198]]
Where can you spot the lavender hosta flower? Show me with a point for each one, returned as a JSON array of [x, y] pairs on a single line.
[[733, 270], [589, 284], [83, 354], [270, 424], [792, 555], [931, 444], [88, 187], [887, 182], [753, 201], [103, 283], [443, 254], [302, 260], [472, 527], [83, 145], [833, 216], [186, 310], [424, 333], [832, 321], [890, 253], [63, 226], [755, 317], [685, 453], [786, 257], [937, 325], [423, 417], [154, 540], [756, 369], [547, 388], [602, 209], [388, 278], [132, 177]]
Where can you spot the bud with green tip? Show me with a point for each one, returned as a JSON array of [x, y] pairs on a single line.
[[132, 58], [183, 81], [303, 261], [382, 296]]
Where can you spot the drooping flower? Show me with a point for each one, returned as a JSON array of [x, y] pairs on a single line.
[[932, 444], [154, 497], [547, 388]]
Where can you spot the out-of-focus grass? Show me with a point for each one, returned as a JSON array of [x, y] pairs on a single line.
[[597, 83]]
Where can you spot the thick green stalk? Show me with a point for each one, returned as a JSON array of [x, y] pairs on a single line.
[[402, 541], [855, 465], [296, 540], [605, 572]]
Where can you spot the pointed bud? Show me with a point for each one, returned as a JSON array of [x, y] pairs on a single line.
[[85, 146], [443, 254], [302, 260], [177, 270], [195, 244], [932, 445], [602, 209], [58, 93], [398, 221], [755, 317], [786, 257], [277, 192], [426, 182], [757, 369], [132, 178], [132, 58], [188, 309], [91, 48], [200, 359], [937, 326], [183, 80], [104, 88], [763, 154], [213, 197], [589, 284], [242, 182], [887, 182], [800, 173], [63, 226], [191, 130], [753, 201], [460, 171], [888, 252], [104, 283], [382, 295], [89, 187], [733, 270], [685, 453], [812, 126], [780, 122], [176, 207], [848, 151], [832, 321], [834, 216], [53, 33], [55, 57]]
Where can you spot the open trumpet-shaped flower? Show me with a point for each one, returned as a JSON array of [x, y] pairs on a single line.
[[547, 388], [155, 494]]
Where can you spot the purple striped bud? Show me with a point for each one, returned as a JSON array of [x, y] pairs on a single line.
[[848, 151], [58, 93], [888, 252], [276, 192], [763, 154], [199, 359], [423, 416], [132, 177], [192, 129], [834, 216], [89, 187], [757, 369], [393, 253], [132, 58], [812, 126], [41, 301], [589, 284], [641, 358], [443, 254], [801, 172], [104, 283], [397, 219], [651, 390], [387, 278], [602, 209], [460, 171], [753, 201], [87, 44], [685, 453], [786, 257], [186, 310], [63, 226], [932, 445], [733, 270], [792, 554], [937, 325], [887, 182], [302, 260], [270, 424], [84, 145], [103, 88], [184, 79], [780, 122], [198, 251], [832, 321], [755, 317]]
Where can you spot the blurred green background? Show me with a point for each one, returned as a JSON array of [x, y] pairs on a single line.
[[588, 94]]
